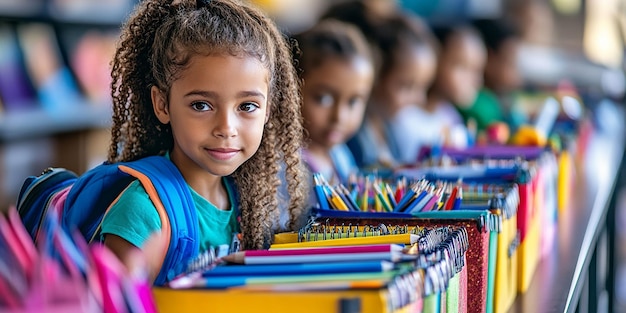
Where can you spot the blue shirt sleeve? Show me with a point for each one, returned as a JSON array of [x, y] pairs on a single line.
[[133, 217]]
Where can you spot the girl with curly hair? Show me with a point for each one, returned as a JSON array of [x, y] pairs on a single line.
[[211, 86]]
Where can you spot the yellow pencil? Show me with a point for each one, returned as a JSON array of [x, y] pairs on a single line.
[[336, 200], [365, 197]]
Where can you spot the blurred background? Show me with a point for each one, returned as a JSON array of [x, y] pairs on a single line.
[[55, 54]]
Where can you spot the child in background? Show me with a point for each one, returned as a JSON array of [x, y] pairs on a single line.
[[459, 77], [414, 73], [337, 72], [405, 66], [211, 86], [502, 78]]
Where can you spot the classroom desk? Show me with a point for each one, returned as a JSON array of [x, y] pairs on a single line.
[[579, 275]]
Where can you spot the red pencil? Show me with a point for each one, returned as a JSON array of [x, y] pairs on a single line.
[[451, 199]]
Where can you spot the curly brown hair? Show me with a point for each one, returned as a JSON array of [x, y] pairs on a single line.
[[156, 44]]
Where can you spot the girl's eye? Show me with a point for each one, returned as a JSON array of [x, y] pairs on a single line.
[[325, 100], [200, 106], [248, 107], [355, 102]]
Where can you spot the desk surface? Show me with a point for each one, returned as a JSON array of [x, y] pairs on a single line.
[[556, 286]]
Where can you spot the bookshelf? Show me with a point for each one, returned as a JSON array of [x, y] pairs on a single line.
[[88, 21], [55, 107], [80, 13], [39, 123]]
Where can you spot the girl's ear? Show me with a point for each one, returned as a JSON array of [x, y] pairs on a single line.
[[159, 105]]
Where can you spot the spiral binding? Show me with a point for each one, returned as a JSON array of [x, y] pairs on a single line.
[[315, 231]]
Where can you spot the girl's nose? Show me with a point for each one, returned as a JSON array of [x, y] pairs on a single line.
[[225, 125], [341, 112]]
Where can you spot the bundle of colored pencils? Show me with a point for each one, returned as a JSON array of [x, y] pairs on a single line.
[[373, 194]]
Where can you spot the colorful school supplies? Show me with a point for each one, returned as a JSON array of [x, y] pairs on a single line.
[[502, 200], [535, 170], [481, 227], [480, 192], [426, 278], [319, 241], [300, 268], [316, 255], [398, 294], [63, 274], [373, 194]]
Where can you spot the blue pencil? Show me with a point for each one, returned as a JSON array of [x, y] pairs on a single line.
[[354, 193], [419, 203], [319, 192], [404, 201], [299, 269], [225, 282], [416, 200]]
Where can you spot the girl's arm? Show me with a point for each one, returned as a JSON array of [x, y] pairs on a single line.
[[150, 258], [128, 231]]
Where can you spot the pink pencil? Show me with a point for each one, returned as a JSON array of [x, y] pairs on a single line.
[[431, 203], [324, 253]]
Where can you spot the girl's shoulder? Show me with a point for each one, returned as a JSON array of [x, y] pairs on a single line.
[[135, 195], [133, 216]]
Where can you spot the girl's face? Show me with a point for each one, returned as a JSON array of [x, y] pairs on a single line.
[[501, 72], [217, 110], [334, 95], [407, 81], [460, 72]]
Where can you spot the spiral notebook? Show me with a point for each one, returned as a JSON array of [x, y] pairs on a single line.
[[537, 175], [432, 279], [481, 229], [492, 189]]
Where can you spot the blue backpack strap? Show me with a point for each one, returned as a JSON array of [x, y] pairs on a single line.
[[95, 191], [171, 190], [90, 196]]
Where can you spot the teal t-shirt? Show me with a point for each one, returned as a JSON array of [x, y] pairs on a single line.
[[134, 218]]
